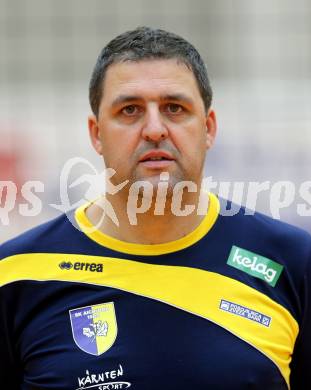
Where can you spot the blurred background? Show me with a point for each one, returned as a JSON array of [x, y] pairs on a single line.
[[258, 55]]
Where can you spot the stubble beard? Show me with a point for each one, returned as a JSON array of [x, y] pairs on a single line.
[[158, 190]]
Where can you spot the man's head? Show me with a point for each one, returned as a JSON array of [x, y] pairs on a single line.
[[151, 100], [146, 43]]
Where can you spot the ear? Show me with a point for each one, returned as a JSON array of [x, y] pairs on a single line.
[[94, 133], [211, 128]]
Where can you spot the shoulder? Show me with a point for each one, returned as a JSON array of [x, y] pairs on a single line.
[[275, 238], [279, 232], [47, 237], [256, 223]]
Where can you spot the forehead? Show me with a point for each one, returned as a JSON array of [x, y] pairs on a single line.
[[149, 79]]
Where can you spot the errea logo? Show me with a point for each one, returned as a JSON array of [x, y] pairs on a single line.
[[80, 266], [255, 265]]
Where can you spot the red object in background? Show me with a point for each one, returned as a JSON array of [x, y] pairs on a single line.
[[9, 169]]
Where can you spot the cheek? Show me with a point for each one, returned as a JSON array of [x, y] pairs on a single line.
[[191, 142], [118, 149], [119, 136]]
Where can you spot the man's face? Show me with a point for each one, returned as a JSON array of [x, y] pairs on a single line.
[[151, 120]]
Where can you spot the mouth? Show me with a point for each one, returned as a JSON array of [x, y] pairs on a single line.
[[156, 160], [156, 163]]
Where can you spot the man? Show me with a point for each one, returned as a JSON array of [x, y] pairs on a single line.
[[174, 299]]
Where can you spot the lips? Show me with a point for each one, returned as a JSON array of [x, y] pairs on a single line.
[[156, 155], [156, 160]]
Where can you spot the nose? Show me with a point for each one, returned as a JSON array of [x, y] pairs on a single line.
[[154, 129]]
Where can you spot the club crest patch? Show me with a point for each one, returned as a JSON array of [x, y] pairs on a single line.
[[94, 328]]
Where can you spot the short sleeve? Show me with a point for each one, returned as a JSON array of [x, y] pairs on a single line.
[[300, 378], [8, 371]]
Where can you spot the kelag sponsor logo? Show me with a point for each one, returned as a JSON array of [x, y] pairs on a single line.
[[255, 265]]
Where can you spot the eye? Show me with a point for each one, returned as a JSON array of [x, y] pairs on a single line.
[[130, 110], [174, 108]]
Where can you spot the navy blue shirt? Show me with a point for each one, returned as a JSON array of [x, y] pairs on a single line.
[[226, 307]]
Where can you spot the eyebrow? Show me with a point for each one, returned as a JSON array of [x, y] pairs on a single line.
[[124, 99], [179, 97]]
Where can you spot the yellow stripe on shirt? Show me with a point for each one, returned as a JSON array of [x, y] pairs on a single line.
[[193, 290]]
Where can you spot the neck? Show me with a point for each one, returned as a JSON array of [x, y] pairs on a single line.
[[162, 222]]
